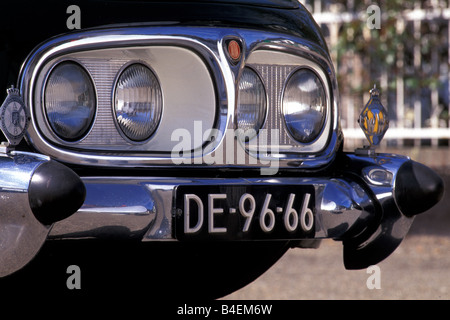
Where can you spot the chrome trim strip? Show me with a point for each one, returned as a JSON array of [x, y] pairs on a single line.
[[209, 43]]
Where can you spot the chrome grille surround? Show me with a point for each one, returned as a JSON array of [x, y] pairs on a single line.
[[275, 75], [208, 45], [105, 65]]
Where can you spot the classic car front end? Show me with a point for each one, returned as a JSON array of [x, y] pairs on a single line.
[[202, 137]]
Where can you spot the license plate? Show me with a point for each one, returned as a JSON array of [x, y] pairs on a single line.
[[237, 212]]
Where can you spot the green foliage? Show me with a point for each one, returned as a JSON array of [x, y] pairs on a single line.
[[382, 49]]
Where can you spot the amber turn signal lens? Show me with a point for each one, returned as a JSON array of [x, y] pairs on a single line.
[[234, 50]]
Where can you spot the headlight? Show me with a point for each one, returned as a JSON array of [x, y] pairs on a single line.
[[138, 102], [69, 101], [252, 104], [304, 105]]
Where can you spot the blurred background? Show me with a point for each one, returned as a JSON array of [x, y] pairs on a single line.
[[402, 47], [407, 58]]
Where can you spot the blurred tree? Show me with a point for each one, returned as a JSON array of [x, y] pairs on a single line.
[[383, 48], [406, 55]]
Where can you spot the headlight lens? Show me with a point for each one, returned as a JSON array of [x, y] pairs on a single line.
[[69, 101], [252, 104], [138, 102], [304, 105]]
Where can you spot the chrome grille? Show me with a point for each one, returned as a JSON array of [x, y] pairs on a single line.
[[104, 131], [274, 77]]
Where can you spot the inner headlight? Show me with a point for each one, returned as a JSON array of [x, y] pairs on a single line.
[[69, 100], [138, 102], [304, 105], [252, 104]]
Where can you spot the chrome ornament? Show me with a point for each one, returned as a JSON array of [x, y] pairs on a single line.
[[374, 120], [14, 118]]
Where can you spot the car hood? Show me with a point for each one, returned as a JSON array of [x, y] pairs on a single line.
[[281, 4], [26, 23]]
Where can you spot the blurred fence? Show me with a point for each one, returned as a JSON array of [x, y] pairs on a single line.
[[407, 57]]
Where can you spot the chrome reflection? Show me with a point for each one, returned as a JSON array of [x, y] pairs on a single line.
[[382, 237], [21, 234], [114, 208]]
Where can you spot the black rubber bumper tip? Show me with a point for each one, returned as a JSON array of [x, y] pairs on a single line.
[[55, 192], [417, 188]]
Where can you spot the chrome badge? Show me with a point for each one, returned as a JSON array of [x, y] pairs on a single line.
[[13, 117]]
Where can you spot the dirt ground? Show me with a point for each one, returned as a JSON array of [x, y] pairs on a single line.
[[418, 269]]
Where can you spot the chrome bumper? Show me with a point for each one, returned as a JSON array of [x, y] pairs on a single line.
[[34, 193], [368, 203], [359, 205]]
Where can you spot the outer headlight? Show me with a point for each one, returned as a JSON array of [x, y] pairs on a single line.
[[304, 105], [138, 102], [69, 100], [252, 104]]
